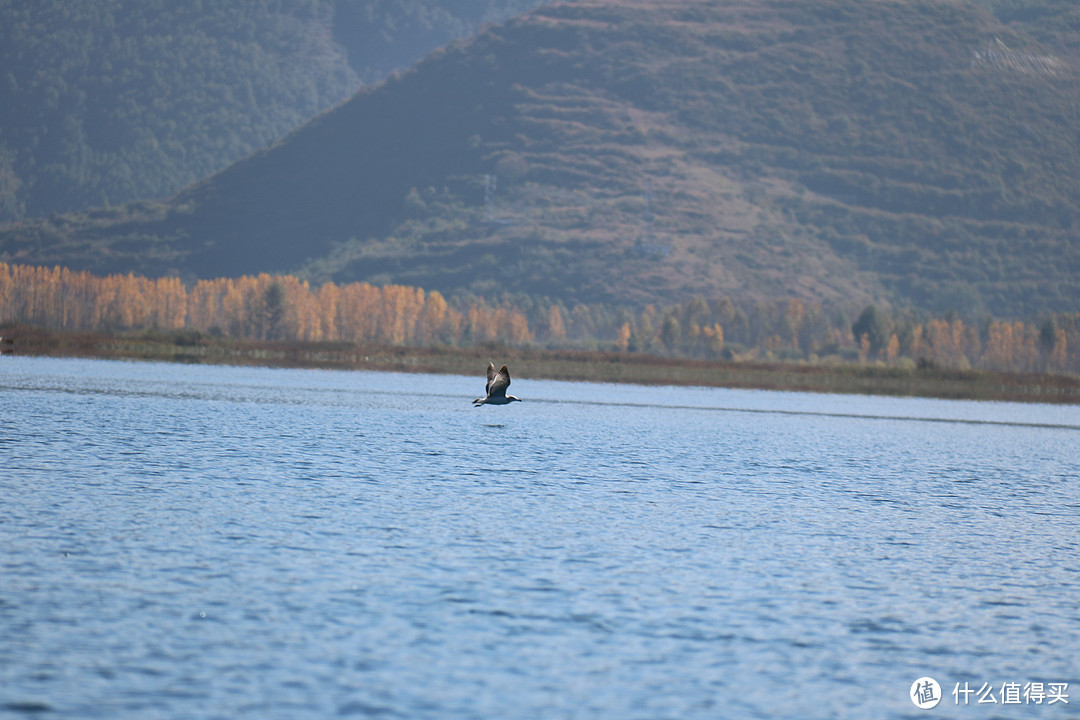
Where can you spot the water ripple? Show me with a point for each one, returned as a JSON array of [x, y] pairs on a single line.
[[224, 542]]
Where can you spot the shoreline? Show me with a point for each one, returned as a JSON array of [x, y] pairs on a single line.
[[569, 365]]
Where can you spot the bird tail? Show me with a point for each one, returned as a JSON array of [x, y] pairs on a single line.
[[479, 401]]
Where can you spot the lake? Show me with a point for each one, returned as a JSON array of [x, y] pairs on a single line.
[[184, 541]]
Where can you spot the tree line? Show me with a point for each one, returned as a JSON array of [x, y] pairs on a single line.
[[263, 307], [285, 308]]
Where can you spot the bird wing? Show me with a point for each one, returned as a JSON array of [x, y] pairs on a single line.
[[490, 376], [499, 382]]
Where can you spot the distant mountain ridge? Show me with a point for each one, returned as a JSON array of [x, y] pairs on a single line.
[[843, 151]]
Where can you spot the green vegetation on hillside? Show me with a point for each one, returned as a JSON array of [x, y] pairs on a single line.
[[103, 102], [110, 101], [841, 152]]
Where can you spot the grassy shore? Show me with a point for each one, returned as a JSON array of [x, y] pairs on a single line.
[[552, 364]]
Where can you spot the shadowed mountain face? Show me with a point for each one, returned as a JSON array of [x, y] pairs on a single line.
[[109, 101], [920, 153]]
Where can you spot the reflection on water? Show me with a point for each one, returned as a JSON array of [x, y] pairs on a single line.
[[183, 541]]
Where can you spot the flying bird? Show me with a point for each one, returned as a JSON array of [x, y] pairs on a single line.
[[497, 382]]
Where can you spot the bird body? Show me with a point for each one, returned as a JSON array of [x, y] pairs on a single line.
[[497, 382]]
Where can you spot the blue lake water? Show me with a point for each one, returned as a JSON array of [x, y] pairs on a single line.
[[216, 542]]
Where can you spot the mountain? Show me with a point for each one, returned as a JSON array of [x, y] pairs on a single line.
[[110, 101], [910, 152]]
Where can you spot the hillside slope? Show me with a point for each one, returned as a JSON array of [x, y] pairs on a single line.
[[919, 153], [110, 101]]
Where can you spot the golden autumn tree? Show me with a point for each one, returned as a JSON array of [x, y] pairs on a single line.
[[357, 316], [7, 290], [864, 347], [892, 349], [204, 305], [794, 314], [1059, 356], [1000, 346], [169, 304], [515, 328], [556, 326], [951, 343], [622, 339], [431, 324], [714, 337], [329, 304]]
